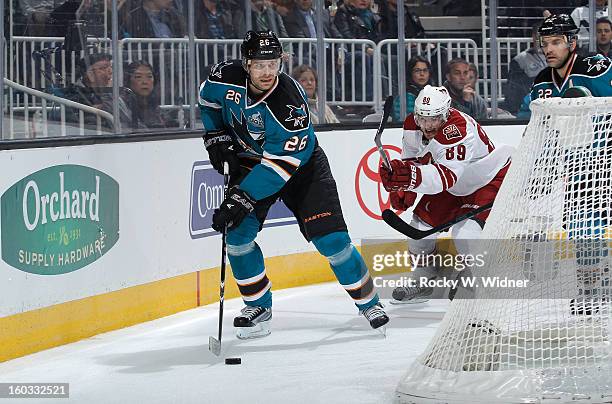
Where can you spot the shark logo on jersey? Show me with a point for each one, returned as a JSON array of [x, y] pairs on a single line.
[[599, 64], [250, 141], [297, 115], [216, 70], [256, 120]]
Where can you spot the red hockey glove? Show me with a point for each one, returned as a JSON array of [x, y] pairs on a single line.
[[402, 200], [405, 176]]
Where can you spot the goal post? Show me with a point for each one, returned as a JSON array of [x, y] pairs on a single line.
[[551, 225]]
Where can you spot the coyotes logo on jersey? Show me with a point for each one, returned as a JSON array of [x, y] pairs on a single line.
[[451, 132]]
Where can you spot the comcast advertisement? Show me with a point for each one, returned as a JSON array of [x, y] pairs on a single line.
[[59, 219]]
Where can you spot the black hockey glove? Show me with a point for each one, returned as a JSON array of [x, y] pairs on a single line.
[[233, 209], [220, 148]]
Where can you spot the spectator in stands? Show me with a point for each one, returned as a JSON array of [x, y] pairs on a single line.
[[36, 14], [216, 21], [96, 71], [604, 36], [152, 19], [283, 7], [356, 20], [307, 77], [419, 75], [581, 16], [94, 88], [141, 79], [96, 15], [300, 22], [464, 97], [473, 76], [265, 18], [524, 67], [388, 11]]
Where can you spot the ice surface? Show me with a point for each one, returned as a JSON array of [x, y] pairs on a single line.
[[320, 351]]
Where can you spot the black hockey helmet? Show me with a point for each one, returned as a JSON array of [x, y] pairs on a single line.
[[559, 24], [263, 45]]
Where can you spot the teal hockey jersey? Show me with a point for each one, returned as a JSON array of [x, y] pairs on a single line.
[[592, 72], [275, 128]]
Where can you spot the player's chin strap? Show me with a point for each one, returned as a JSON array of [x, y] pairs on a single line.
[[571, 52]]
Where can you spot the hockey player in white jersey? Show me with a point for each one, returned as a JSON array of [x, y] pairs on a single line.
[[447, 157]]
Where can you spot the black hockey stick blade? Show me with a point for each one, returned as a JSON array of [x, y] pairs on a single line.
[[398, 224], [381, 127], [214, 345]]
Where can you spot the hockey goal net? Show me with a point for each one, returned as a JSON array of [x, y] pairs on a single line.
[[549, 342]]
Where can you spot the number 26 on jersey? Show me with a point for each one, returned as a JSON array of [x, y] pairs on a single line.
[[294, 143]]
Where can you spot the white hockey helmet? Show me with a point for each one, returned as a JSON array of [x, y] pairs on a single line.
[[433, 101]]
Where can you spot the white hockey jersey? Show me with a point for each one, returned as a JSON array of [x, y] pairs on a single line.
[[459, 159]]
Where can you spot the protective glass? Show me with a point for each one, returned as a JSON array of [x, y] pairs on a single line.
[[554, 42], [428, 121], [263, 66]]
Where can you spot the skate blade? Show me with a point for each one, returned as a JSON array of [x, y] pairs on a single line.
[[409, 301], [382, 330], [214, 346], [259, 330]]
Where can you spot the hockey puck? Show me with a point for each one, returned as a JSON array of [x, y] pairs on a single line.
[[233, 361]]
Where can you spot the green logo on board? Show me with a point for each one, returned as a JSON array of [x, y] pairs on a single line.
[[59, 219]]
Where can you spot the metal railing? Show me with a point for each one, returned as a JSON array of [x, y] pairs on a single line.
[[26, 62], [507, 49], [347, 56], [36, 121], [437, 51], [358, 72], [350, 65]]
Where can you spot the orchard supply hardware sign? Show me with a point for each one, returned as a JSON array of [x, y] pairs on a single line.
[[59, 219]]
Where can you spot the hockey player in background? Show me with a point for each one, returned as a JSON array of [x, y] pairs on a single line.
[[256, 119], [566, 68], [447, 157], [585, 218]]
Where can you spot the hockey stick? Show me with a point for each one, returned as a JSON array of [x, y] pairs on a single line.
[[386, 112], [398, 224], [214, 344]]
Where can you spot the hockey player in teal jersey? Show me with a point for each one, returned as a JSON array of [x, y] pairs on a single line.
[[569, 75], [566, 68], [256, 119]]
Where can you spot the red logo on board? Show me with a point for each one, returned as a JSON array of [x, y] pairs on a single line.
[[367, 177]]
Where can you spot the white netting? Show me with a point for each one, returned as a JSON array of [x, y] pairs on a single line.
[[549, 342]]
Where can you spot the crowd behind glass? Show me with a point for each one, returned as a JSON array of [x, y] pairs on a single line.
[[86, 25]]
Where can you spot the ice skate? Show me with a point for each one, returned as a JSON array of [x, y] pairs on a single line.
[[377, 317], [253, 322], [410, 295]]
